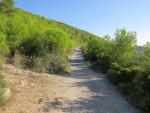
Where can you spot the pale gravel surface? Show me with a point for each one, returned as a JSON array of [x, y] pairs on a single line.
[[101, 97], [84, 91]]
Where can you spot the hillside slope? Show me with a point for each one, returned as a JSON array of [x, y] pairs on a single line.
[[30, 38], [33, 42]]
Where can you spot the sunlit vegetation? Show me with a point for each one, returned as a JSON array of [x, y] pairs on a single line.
[[34, 42], [6, 6], [40, 44], [125, 67], [28, 39], [4, 50]]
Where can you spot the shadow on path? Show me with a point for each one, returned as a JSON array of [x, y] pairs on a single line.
[[95, 94]]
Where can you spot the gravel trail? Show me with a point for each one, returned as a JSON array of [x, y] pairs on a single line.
[[83, 91], [100, 95]]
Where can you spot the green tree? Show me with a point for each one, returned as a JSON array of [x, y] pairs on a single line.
[[144, 58], [125, 46]]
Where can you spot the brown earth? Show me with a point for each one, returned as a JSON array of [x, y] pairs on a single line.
[[83, 91]]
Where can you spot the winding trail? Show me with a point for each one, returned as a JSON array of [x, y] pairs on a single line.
[[84, 91]]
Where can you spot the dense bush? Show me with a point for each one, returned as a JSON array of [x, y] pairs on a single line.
[[99, 51], [41, 44], [30, 38], [125, 67], [33, 42], [144, 57], [6, 6], [4, 49]]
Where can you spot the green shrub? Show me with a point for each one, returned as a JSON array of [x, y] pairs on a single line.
[[51, 63], [57, 63], [19, 61], [118, 74], [4, 49], [1, 95], [134, 82], [125, 68], [42, 43], [2, 86], [34, 37], [34, 46], [140, 91], [42, 50], [6, 6], [144, 57], [114, 76], [2, 83]]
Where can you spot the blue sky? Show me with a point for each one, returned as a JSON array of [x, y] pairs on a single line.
[[96, 16]]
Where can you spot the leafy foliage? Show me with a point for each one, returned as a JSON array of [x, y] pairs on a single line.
[[4, 49], [144, 58], [6, 6], [29, 37], [42, 44], [125, 67]]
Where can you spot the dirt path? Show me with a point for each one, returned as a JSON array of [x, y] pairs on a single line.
[[100, 96], [83, 92]]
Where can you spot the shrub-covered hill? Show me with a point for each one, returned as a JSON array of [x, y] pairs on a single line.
[[36, 42]]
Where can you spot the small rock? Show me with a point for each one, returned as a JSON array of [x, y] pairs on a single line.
[[40, 100]]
